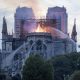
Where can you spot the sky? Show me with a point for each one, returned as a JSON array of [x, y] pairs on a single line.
[[8, 7]]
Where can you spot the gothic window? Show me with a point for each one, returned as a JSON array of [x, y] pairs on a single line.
[[39, 42], [31, 42], [52, 21], [59, 23], [39, 45], [16, 57]]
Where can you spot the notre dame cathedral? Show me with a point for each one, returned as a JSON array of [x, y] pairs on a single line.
[[47, 37]]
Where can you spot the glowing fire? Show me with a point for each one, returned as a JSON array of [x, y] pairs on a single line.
[[53, 31], [40, 29]]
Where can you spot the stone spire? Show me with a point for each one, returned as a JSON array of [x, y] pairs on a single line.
[[74, 32], [4, 34], [4, 28]]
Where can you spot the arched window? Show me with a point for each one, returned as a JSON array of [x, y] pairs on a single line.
[[31, 42], [17, 57], [59, 22], [39, 45], [39, 42]]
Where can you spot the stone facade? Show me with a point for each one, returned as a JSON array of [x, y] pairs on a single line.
[[37, 43], [22, 21], [15, 50], [60, 14]]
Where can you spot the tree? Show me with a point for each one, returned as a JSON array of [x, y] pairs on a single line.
[[65, 65], [75, 76], [62, 67], [36, 68]]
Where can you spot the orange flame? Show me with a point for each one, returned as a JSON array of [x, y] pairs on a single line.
[[40, 29], [53, 31]]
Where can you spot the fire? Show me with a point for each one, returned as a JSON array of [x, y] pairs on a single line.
[[40, 29]]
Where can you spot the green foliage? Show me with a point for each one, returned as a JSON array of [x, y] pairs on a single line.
[[65, 65], [62, 66], [36, 68], [75, 76]]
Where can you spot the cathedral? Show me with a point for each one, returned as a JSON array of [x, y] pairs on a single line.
[[47, 37]]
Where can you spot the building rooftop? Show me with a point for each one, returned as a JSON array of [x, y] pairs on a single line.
[[57, 9], [39, 34]]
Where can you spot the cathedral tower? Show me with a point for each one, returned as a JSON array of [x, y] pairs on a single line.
[[61, 17], [22, 20]]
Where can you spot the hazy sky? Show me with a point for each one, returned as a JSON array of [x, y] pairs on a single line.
[[8, 7]]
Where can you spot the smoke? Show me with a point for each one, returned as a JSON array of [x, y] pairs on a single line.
[[36, 5]]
